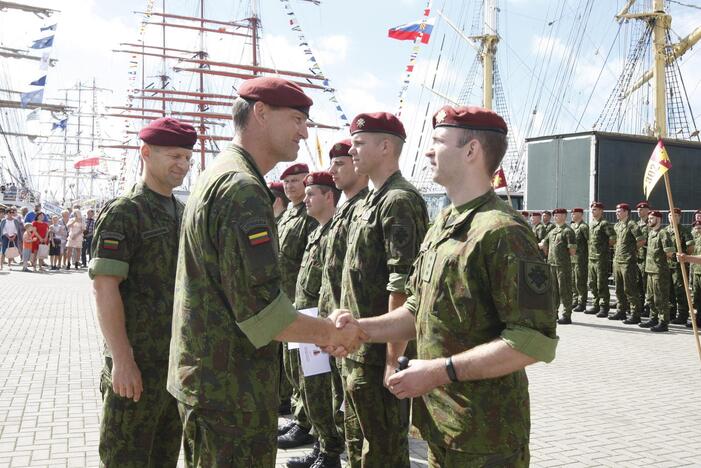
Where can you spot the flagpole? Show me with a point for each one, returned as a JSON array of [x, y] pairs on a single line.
[[685, 276]]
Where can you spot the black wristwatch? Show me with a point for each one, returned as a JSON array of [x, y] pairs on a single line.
[[451, 370]]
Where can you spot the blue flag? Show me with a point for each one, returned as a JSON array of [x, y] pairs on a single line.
[[43, 43], [49, 28], [40, 82], [32, 97], [60, 124]]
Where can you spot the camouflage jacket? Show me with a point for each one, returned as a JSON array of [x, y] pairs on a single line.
[[336, 244], [642, 251], [136, 238], [687, 239], [294, 227], [696, 269], [581, 235], [659, 242], [600, 233], [309, 278], [479, 276], [558, 242], [383, 240], [539, 231], [548, 227], [229, 305], [627, 236]]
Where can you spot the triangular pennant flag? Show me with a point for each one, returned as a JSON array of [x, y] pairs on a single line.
[[40, 82], [32, 97], [658, 164], [499, 179], [49, 28], [43, 43]]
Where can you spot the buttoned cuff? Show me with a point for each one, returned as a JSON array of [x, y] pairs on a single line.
[[397, 282], [263, 327], [530, 342], [107, 267]]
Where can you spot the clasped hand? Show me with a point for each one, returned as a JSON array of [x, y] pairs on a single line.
[[348, 335]]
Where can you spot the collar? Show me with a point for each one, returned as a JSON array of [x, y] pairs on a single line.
[[376, 193], [251, 165], [459, 215]]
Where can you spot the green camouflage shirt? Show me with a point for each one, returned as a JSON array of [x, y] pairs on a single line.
[[558, 242], [600, 233], [294, 227], [336, 244], [136, 238], [659, 242], [479, 276], [581, 235], [696, 269], [229, 305], [627, 236], [309, 278], [687, 239], [539, 231], [642, 251], [383, 241]]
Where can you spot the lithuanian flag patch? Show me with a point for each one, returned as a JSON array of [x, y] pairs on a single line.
[[110, 244], [259, 237]]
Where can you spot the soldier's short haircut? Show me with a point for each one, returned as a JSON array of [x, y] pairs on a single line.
[[241, 111], [336, 193], [493, 143]]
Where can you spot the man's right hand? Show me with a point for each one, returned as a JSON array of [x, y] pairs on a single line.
[[349, 337], [126, 379]]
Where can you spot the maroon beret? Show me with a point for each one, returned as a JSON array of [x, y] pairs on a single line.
[[656, 214], [696, 223], [535, 213], [524, 213], [559, 211], [577, 210], [378, 122], [276, 186], [642, 204], [697, 212], [276, 92], [596, 204], [168, 131], [623, 206], [546, 212], [299, 168], [678, 211], [470, 117], [319, 178], [340, 149]]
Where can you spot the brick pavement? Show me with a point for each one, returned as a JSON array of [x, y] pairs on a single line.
[[615, 396]]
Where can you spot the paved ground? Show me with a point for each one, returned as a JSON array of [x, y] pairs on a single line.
[[615, 396]]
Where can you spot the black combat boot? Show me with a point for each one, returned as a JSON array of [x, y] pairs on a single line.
[[579, 308], [285, 407], [646, 311], [593, 310], [660, 327], [305, 461], [619, 315], [633, 320], [648, 324], [564, 320], [285, 427], [680, 320], [295, 437], [604, 313], [327, 461]]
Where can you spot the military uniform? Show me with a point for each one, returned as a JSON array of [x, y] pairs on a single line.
[[678, 302], [580, 265], [645, 297], [136, 238], [659, 243], [383, 241], [625, 269], [479, 276], [548, 227], [539, 231], [600, 234], [558, 242], [229, 307], [696, 275]]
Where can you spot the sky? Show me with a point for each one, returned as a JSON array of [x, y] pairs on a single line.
[[350, 43]]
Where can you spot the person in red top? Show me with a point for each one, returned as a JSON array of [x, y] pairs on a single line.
[[41, 228]]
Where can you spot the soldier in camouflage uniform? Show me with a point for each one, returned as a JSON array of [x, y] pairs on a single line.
[[560, 245], [679, 307], [602, 237], [480, 307], [294, 228], [133, 267], [281, 200], [695, 261], [580, 261], [230, 306], [643, 212], [629, 239], [537, 226], [355, 188], [383, 241], [547, 224], [526, 216], [660, 247]]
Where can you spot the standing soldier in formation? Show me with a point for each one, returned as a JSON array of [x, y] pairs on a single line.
[[546, 223], [679, 308], [537, 226], [383, 242], [695, 261], [660, 247], [643, 212], [560, 245], [580, 261], [525, 215], [601, 238], [629, 239], [294, 228], [133, 267], [281, 200]]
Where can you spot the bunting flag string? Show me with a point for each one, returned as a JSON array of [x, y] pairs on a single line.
[[314, 66], [409, 70]]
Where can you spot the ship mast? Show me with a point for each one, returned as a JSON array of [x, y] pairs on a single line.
[[489, 42]]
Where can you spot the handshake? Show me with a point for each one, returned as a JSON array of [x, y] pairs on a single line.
[[347, 336]]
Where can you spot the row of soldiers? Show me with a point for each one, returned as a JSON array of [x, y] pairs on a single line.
[[641, 255]]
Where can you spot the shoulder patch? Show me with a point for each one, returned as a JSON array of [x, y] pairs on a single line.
[[401, 235], [536, 276]]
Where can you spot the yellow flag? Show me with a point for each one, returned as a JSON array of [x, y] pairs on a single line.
[[658, 164], [319, 152]]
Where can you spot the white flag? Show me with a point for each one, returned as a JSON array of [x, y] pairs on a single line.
[[34, 115], [44, 64]]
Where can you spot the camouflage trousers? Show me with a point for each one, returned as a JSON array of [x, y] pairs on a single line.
[[228, 439], [677, 296], [599, 271], [627, 287], [579, 282], [442, 457], [645, 297], [294, 377], [285, 385], [323, 396], [658, 287], [563, 289], [146, 433], [696, 291], [376, 437]]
